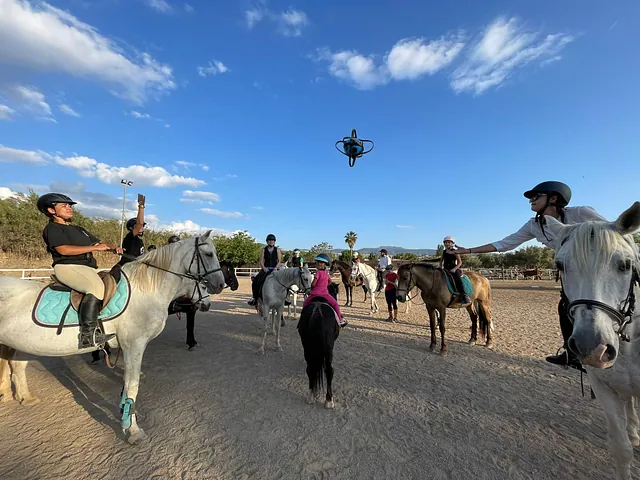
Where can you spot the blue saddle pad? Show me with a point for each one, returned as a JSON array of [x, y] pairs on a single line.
[[466, 283], [51, 305]]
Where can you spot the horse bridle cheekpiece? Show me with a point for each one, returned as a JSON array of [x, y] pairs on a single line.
[[623, 316]]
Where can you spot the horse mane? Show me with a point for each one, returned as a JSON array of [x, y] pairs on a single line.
[[342, 264], [142, 273], [601, 239]]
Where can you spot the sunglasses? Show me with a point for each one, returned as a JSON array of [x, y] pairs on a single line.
[[537, 196]]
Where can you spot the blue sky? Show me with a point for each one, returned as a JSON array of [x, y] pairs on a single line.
[[225, 114]]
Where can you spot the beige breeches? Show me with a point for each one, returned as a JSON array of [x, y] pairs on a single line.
[[81, 278]]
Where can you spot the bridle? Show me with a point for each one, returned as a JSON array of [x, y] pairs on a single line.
[[201, 270], [623, 315], [305, 289]]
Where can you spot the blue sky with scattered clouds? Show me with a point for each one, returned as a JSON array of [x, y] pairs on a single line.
[[225, 114]]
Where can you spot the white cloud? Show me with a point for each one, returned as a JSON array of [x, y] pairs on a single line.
[[551, 60], [159, 5], [188, 8], [46, 39], [188, 227], [214, 197], [6, 112], [219, 213], [191, 200], [289, 22], [14, 155], [409, 59], [205, 167], [25, 187], [213, 68], [66, 109], [225, 177], [30, 100], [166, 125], [505, 46], [292, 22], [187, 165], [136, 114], [8, 193], [404, 226]]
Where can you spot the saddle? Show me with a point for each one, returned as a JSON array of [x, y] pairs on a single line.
[[110, 280], [451, 283]]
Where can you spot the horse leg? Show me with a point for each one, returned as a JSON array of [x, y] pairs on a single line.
[[614, 408], [132, 362], [432, 326], [278, 314], [23, 395], [443, 317], [265, 318], [346, 293], [632, 422], [6, 353], [474, 324], [328, 371], [191, 320], [486, 324]]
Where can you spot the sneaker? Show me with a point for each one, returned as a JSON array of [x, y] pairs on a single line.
[[252, 302], [287, 303], [390, 319], [343, 323], [566, 360]]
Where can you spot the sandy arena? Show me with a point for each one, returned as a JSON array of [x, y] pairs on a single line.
[[224, 412]]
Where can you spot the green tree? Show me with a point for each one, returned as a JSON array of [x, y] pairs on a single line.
[[346, 256], [406, 256], [350, 239], [323, 247], [636, 237], [239, 249], [439, 250]]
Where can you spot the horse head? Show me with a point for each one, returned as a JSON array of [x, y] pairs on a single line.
[[229, 272], [406, 281], [599, 264], [306, 279], [201, 260]]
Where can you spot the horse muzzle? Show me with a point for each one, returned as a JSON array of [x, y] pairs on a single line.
[[601, 356]]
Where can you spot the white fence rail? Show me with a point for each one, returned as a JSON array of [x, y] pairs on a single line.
[[45, 273]]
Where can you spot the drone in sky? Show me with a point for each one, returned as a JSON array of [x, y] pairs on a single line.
[[353, 147]]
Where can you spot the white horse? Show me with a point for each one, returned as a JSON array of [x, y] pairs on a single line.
[[274, 291], [155, 279], [600, 268], [370, 277]]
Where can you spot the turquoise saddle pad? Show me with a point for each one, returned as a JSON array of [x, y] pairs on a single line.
[[51, 305], [466, 283]]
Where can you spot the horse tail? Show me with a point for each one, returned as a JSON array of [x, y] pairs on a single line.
[[484, 311], [315, 349]]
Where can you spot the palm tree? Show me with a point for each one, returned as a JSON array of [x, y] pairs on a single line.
[[350, 239]]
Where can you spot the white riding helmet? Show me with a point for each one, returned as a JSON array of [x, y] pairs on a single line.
[[355, 254], [448, 239]]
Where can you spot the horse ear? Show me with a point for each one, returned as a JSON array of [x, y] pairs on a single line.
[[206, 235], [629, 220]]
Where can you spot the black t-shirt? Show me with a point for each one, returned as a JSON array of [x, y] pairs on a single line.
[[450, 260], [57, 234], [133, 245]]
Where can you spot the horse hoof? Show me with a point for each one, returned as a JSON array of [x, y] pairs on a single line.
[[635, 441], [278, 348], [6, 397], [312, 399], [329, 404], [472, 342], [192, 348], [489, 345], [29, 402], [261, 351], [432, 347], [443, 351], [138, 437], [283, 323]]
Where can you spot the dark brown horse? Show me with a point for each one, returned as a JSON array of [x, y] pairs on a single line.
[[535, 273], [346, 273], [436, 296]]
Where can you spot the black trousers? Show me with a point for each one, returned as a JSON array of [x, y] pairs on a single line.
[[458, 277], [565, 324], [391, 298], [258, 280]]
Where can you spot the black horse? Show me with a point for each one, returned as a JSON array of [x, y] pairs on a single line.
[[318, 329], [190, 307], [345, 272]]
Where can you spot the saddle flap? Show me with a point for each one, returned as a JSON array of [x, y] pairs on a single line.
[[110, 285]]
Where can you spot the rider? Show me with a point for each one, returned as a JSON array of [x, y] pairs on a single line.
[[71, 248], [297, 260], [451, 261], [390, 293], [270, 261], [132, 242], [547, 198], [320, 284], [356, 257], [383, 263]]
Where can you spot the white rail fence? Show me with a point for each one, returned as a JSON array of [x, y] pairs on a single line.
[[490, 273]]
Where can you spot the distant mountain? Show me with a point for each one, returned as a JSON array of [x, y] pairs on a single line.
[[391, 249]]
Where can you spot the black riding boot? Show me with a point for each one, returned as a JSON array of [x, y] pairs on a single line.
[[88, 316], [464, 298], [566, 358]]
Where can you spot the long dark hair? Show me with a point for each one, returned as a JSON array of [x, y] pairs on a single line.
[[559, 204]]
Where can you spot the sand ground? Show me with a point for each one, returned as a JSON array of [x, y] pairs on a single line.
[[402, 412]]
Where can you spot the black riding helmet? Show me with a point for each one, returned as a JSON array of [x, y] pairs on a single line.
[[132, 223], [271, 236], [49, 200], [173, 239], [561, 190]]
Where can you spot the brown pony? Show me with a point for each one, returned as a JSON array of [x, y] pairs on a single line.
[[536, 273], [436, 296]]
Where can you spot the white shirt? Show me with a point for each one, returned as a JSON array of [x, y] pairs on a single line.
[[384, 261], [531, 229]]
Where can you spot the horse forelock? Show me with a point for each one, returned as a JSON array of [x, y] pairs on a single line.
[[598, 242]]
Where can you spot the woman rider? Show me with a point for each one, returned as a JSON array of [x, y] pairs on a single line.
[[547, 198], [71, 247]]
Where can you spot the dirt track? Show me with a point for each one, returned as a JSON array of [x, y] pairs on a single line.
[[223, 412]]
